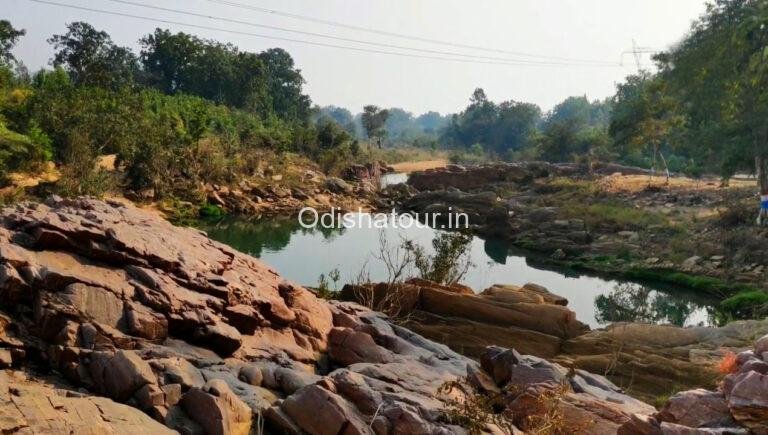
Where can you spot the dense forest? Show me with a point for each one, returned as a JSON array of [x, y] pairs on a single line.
[[206, 109], [182, 111]]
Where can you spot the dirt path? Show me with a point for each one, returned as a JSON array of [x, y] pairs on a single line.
[[408, 167]]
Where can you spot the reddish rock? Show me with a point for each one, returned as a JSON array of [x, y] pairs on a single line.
[[748, 401], [217, 410], [203, 337], [329, 413], [697, 408]]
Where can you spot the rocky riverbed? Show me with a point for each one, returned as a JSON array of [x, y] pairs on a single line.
[[611, 220], [115, 320]]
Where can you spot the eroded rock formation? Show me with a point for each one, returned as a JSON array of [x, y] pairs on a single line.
[[650, 360], [118, 303], [738, 406]]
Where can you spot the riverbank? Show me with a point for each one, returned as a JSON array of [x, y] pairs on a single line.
[[129, 309], [688, 233]]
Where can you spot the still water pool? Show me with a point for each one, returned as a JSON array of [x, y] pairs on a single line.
[[302, 254]]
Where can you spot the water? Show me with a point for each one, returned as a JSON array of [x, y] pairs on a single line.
[[303, 254], [393, 178]]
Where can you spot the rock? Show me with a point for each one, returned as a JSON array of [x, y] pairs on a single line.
[[473, 177], [370, 171], [251, 374], [348, 347], [6, 359], [697, 408], [761, 345], [217, 410], [330, 413], [337, 185], [203, 337], [691, 262], [530, 293], [143, 322], [30, 407], [748, 401]]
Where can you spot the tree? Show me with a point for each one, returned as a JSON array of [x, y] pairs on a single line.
[[91, 58], [9, 36], [182, 63], [266, 83], [515, 127], [500, 129], [573, 129], [341, 115], [645, 116], [285, 85], [373, 122], [720, 74]]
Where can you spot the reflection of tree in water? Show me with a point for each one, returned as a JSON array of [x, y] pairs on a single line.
[[497, 250], [629, 302], [252, 236]]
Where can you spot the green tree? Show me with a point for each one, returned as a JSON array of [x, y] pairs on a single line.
[[720, 74], [500, 129], [91, 58], [646, 117], [573, 129], [9, 36], [373, 119], [285, 86]]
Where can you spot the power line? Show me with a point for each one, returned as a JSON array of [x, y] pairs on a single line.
[[299, 41], [358, 41], [398, 35]]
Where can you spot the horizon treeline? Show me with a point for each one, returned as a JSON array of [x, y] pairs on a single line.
[[705, 110], [185, 110]]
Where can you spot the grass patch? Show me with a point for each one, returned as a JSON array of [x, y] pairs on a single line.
[[210, 211], [707, 284], [586, 188], [613, 214], [399, 155], [744, 305]]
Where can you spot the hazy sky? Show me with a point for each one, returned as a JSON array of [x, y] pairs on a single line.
[[573, 29]]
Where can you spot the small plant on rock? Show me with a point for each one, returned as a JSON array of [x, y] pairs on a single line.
[[474, 410]]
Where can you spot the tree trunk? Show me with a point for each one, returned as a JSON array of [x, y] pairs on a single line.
[[653, 165], [666, 168], [761, 165]]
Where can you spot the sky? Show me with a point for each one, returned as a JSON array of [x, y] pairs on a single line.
[[556, 36]]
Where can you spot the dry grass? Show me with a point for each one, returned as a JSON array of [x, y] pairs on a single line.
[[413, 166], [639, 183]]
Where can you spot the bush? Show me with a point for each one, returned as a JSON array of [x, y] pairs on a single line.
[[450, 262], [80, 174], [211, 211], [745, 305], [22, 152]]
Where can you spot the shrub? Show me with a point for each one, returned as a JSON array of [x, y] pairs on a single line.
[[22, 152], [450, 262], [745, 305], [80, 174], [473, 410], [211, 211]]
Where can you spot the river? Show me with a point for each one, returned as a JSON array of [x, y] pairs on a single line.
[[302, 255]]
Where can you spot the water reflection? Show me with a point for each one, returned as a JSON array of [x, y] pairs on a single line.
[[253, 236], [630, 302], [302, 254]]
